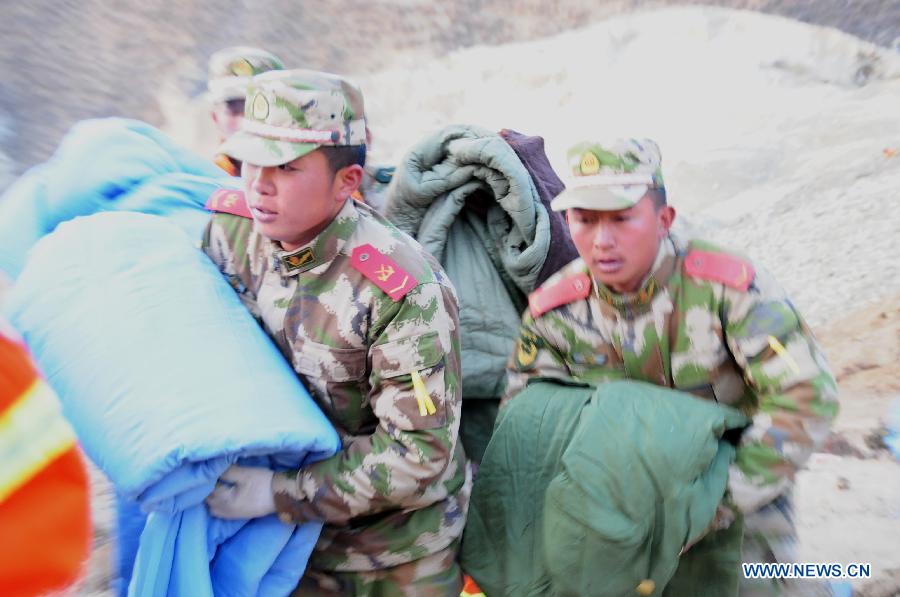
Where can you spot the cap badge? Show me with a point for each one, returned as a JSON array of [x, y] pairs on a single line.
[[589, 163], [242, 68], [259, 109]]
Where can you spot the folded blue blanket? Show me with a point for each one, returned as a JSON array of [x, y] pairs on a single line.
[[110, 164], [168, 380]]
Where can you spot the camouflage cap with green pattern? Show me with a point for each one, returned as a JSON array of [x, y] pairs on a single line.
[[290, 113], [231, 69], [610, 177]]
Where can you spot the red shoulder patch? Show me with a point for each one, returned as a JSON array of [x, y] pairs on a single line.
[[382, 271], [729, 270], [565, 291], [229, 201]]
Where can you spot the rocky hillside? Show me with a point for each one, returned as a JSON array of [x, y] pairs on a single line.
[[64, 60]]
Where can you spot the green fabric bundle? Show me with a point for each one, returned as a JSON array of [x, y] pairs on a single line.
[[595, 492], [465, 196]]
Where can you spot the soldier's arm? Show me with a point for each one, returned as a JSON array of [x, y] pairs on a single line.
[[215, 242], [225, 243], [206, 242], [225, 236], [797, 394], [533, 356], [415, 393]]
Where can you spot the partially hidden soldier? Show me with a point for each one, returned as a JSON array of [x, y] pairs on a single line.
[[375, 181], [642, 304], [369, 321], [373, 189], [230, 71], [45, 493]]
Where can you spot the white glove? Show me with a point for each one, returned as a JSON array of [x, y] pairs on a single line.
[[242, 492]]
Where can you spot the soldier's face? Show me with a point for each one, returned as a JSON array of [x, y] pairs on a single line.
[[620, 246], [292, 203]]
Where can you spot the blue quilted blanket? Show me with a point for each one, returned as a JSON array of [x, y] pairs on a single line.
[[168, 380], [110, 164]]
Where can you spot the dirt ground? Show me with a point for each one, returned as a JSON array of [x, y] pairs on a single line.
[[848, 500]]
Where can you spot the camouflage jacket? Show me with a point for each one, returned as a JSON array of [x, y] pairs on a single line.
[[703, 322], [379, 352]]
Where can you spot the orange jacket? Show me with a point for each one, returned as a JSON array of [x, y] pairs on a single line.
[[227, 164], [45, 524]]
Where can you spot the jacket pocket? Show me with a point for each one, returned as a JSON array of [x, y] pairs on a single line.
[[338, 381], [409, 387]]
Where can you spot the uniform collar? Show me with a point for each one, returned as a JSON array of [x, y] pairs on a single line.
[[320, 250], [662, 270]]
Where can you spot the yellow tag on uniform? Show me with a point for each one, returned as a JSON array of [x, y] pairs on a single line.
[[423, 398], [526, 349], [781, 351]]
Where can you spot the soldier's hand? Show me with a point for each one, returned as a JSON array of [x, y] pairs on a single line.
[[242, 492], [723, 518]]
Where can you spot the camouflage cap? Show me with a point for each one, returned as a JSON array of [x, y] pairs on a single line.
[[610, 177], [231, 69], [290, 113]]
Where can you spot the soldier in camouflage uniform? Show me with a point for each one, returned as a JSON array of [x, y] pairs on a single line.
[[374, 186], [642, 304], [369, 322], [230, 70]]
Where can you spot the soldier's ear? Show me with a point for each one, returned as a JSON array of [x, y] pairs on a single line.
[[664, 219], [347, 181]]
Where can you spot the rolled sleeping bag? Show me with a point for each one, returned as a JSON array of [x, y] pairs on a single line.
[[105, 165], [167, 380]]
